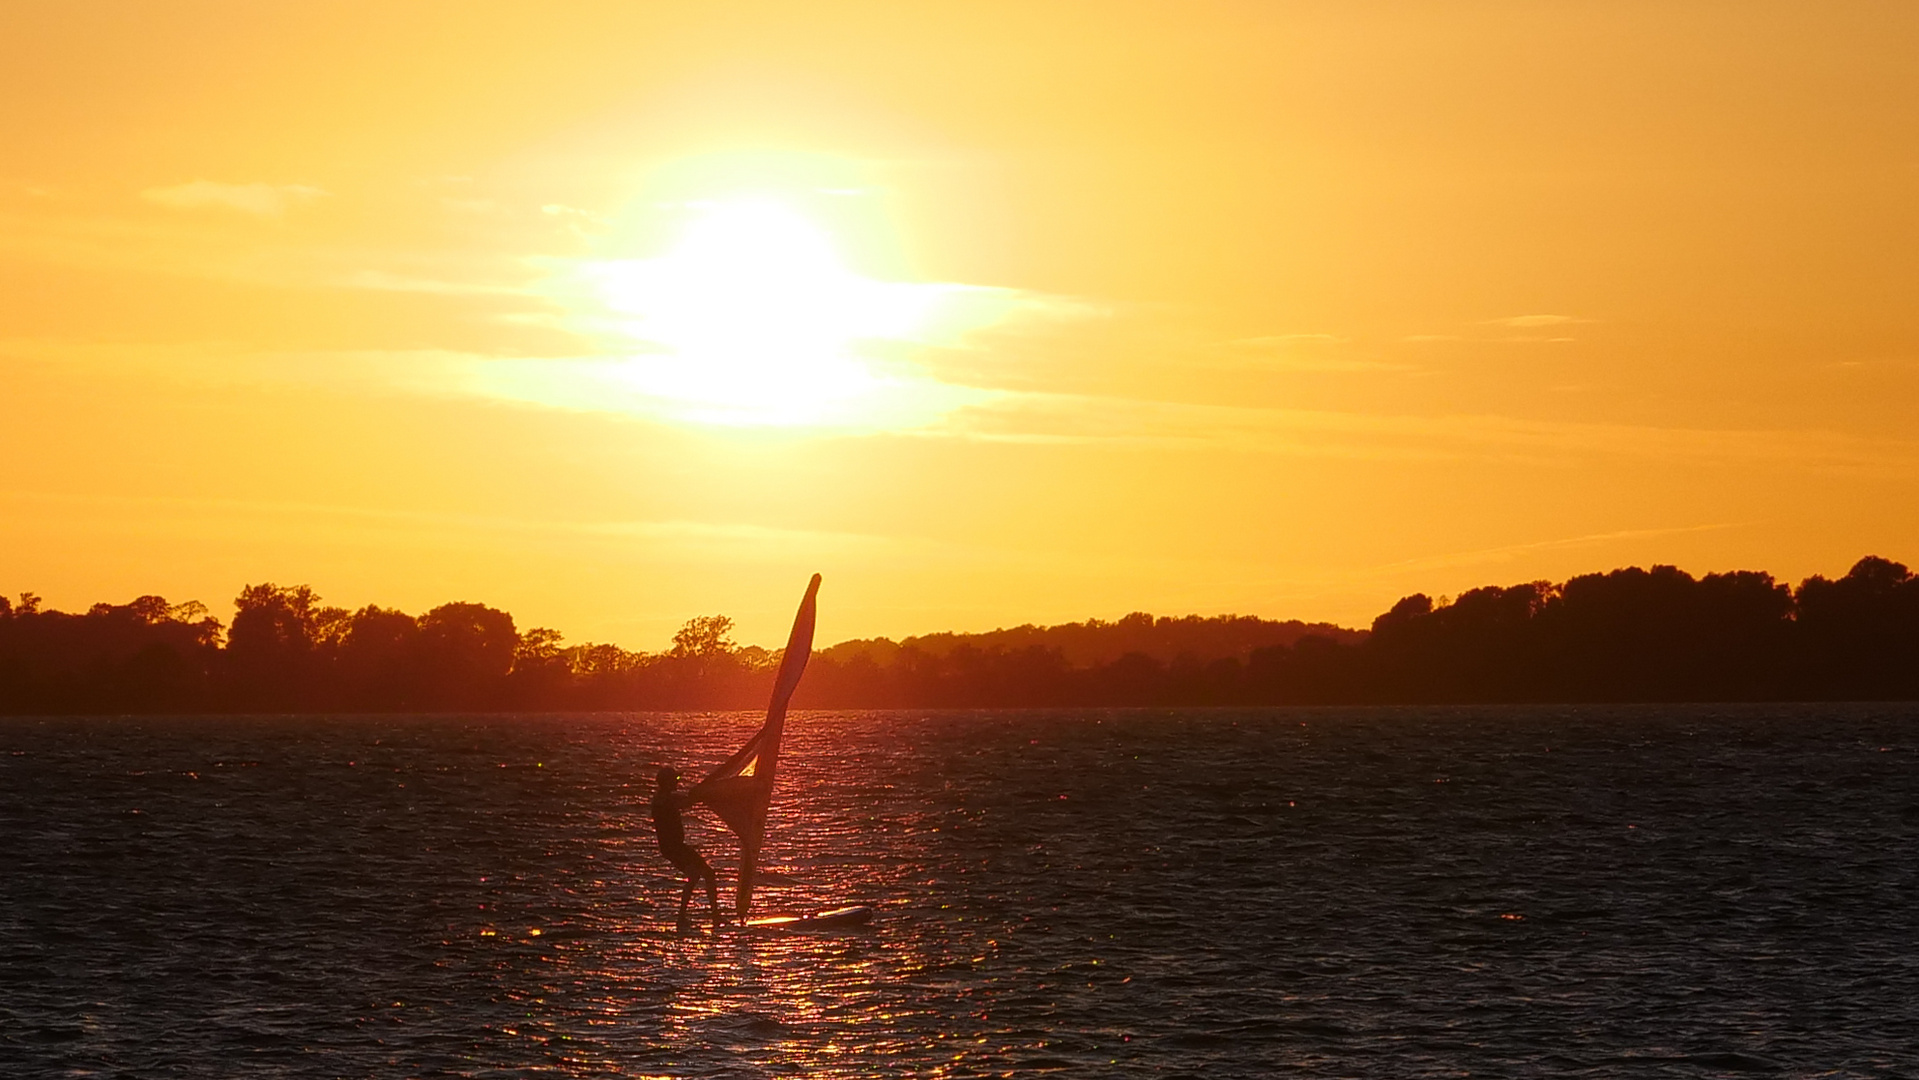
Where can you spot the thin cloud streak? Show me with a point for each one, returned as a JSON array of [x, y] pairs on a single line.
[[700, 535], [260, 200], [1506, 552], [1298, 353], [1535, 320], [1060, 418], [923, 407]]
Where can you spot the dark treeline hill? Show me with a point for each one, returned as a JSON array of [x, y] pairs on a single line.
[[1097, 642], [1625, 635]]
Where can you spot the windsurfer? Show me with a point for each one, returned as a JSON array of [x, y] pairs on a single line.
[[668, 801]]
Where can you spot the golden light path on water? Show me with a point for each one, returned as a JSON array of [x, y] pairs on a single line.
[[815, 1004]]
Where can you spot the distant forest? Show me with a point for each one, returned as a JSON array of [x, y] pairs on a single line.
[[1621, 636]]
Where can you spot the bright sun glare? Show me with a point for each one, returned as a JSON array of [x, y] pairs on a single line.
[[753, 317]]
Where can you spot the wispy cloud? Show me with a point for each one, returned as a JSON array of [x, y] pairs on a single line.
[[561, 210], [1510, 322], [1508, 552], [909, 404], [260, 200], [1296, 353], [472, 206], [1523, 321], [1281, 341], [1073, 419], [387, 282], [431, 526]]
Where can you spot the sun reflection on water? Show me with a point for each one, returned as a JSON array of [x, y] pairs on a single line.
[[800, 1003]]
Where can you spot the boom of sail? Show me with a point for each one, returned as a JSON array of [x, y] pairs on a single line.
[[741, 788]]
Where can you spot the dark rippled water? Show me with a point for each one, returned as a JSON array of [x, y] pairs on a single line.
[[1618, 892]]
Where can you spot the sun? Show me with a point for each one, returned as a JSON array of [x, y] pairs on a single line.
[[752, 316]]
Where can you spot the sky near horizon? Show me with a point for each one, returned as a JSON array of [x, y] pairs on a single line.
[[615, 314]]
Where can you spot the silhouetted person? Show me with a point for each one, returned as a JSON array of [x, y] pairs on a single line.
[[668, 801]]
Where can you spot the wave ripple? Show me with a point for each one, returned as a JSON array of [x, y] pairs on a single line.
[[1659, 891]]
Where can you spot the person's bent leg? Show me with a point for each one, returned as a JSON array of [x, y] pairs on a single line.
[[694, 867], [712, 891]]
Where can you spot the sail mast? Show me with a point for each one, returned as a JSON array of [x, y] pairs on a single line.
[[741, 788]]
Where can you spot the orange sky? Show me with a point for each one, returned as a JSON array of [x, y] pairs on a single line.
[[615, 314]]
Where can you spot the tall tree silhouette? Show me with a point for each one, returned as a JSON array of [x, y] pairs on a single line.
[[1860, 634], [376, 661], [465, 653], [270, 646]]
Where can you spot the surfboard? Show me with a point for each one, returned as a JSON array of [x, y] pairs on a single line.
[[845, 918]]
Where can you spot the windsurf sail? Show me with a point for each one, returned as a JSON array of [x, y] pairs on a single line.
[[741, 788]]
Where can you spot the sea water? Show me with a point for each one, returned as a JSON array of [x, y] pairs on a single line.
[[1646, 891]]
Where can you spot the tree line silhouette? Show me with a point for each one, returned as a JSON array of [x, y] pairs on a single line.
[[1625, 635]]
